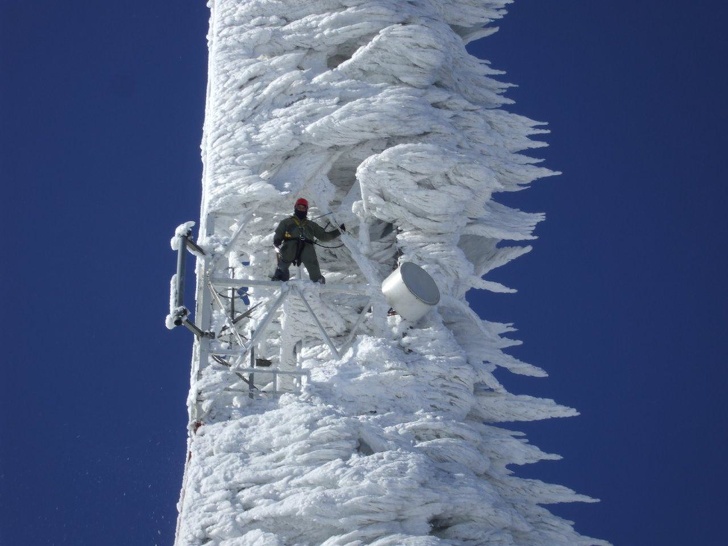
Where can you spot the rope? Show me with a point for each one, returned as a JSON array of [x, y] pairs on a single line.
[[324, 246]]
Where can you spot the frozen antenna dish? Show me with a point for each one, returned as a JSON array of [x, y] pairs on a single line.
[[411, 291]]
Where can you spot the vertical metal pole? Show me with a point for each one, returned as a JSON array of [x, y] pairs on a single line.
[[203, 311], [297, 348], [181, 262], [251, 377], [232, 295]]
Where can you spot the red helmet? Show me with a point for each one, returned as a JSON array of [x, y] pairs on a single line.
[[301, 201]]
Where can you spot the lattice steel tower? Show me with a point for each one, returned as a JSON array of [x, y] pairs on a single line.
[[362, 410]]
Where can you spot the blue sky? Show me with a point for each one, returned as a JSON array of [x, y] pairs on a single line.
[[623, 299]]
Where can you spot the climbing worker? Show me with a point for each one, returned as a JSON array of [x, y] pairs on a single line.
[[294, 240]]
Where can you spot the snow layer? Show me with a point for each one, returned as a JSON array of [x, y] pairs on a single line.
[[375, 112]]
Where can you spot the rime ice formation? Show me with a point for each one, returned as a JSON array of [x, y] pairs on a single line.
[[386, 432]]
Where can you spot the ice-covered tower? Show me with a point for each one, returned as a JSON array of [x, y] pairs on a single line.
[[331, 414]]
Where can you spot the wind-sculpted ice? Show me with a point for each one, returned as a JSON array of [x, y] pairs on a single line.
[[375, 112]]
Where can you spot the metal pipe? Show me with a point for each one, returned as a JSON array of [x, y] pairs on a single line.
[[181, 262], [228, 322], [318, 323], [222, 282], [251, 386], [275, 371], [193, 246], [197, 331], [269, 316], [356, 325]]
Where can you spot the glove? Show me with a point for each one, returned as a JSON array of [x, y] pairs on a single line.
[[277, 243], [342, 227]]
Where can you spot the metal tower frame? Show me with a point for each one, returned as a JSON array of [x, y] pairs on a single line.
[[238, 351]]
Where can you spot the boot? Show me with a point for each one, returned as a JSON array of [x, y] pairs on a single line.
[[280, 275]]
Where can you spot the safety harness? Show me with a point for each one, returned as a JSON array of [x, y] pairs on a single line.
[[300, 242]]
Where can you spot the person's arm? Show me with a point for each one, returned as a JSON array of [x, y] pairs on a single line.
[[322, 235], [278, 235]]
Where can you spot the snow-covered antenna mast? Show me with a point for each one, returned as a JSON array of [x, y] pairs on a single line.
[[363, 410]]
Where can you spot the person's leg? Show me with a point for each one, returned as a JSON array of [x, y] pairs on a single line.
[[281, 273], [286, 256], [310, 261]]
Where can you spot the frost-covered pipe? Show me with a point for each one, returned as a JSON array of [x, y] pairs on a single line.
[[181, 268], [326, 337]]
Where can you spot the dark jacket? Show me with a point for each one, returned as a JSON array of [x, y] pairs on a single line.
[[293, 228]]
